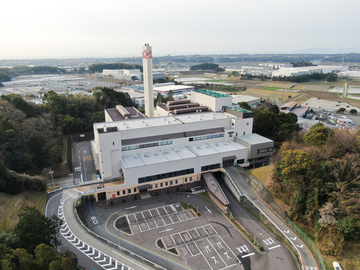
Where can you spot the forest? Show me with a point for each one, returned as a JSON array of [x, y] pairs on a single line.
[[32, 136], [317, 174]]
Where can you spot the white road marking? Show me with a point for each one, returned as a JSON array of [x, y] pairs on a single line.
[[215, 261], [247, 255], [227, 256], [300, 246], [132, 207], [294, 239], [166, 230], [287, 231], [275, 246], [208, 209]]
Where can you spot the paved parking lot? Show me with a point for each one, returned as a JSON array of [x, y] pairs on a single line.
[[158, 217]]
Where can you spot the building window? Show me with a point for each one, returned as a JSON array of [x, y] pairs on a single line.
[[161, 184], [113, 143], [171, 182], [176, 181], [244, 132], [165, 175], [134, 189], [145, 145], [166, 183], [156, 185], [118, 193], [185, 180], [210, 167], [205, 137], [265, 150], [124, 192], [231, 134], [129, 191], [240, 161]]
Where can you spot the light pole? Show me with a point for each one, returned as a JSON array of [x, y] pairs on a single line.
[[52, 178], [188, 199]]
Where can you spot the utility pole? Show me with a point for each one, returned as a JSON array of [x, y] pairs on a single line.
[[52, 177]]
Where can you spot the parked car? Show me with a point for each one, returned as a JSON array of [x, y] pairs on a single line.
[[337, 266]]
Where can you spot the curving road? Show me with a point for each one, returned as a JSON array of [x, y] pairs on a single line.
[[309, 262], [103, 253]]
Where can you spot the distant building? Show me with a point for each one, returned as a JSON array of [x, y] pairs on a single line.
[[123, 74], [297, 71], [252, 101]]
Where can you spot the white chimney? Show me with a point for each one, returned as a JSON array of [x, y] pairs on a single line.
[[148, 80]]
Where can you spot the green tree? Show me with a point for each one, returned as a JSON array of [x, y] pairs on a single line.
[[353, 111], [341, 110], [46, 258], [295, 162], [349, 226], [31, 222], [265, 123], [26, 260], [274, 109], [317, 135], [245, 105]]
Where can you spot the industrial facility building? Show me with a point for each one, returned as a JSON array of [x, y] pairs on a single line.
[[174, 144], [174, 150]]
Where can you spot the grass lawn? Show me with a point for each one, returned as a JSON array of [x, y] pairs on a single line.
[[270, 88], [263, 174], [12, 205]]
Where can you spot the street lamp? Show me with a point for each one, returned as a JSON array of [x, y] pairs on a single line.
[[52, 178], [188, 200]]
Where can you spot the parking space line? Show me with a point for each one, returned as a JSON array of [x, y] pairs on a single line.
[[173, 239], [204, 256], [228, 247]]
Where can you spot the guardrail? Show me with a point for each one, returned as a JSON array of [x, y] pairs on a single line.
[[309, 242]]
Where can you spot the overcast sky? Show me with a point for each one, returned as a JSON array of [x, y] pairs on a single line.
[[117, 28]]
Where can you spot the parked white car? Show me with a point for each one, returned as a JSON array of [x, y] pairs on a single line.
[[337, 266]]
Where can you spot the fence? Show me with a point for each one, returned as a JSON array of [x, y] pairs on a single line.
[[309, 242]]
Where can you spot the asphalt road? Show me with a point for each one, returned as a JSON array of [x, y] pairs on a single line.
[[307, 256], [101, 221], [83, 163], [52, 206]]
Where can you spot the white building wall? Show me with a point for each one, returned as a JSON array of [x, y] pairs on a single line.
[[214, 104], [133, 174], [110, 154]]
